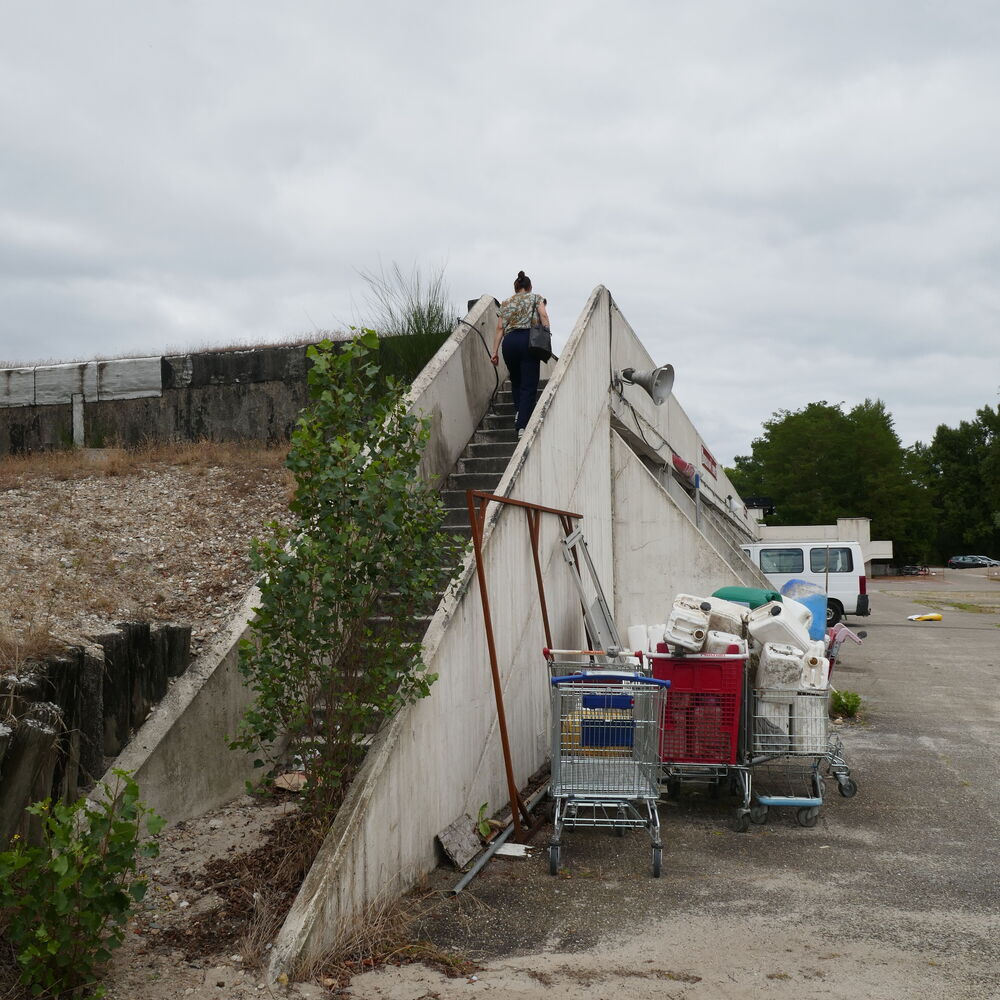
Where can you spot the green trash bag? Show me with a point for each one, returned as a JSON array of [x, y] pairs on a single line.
[[754, 596]]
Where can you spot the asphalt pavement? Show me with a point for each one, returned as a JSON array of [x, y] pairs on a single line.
[[894, 892]]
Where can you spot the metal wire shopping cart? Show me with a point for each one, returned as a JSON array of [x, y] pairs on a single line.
[[790, 748], [605, 755]]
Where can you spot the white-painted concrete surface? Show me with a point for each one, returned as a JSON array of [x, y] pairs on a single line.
[[455, 389], [49, 385]]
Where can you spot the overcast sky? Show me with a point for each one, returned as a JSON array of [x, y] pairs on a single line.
[[790, 201]]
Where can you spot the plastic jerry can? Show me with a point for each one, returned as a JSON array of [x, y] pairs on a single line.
[[686, 628], [654, 635], [809, 724], [771, 623], [772, 724], [723, 616], [722, 642], [780, 666], [815, 671], [638, 638]]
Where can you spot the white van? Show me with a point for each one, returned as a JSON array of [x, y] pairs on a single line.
[[837, 567]]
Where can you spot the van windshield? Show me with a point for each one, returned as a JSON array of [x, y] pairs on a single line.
[[841, 560]]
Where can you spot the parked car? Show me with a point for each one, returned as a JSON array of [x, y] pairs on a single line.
[[971, 562]]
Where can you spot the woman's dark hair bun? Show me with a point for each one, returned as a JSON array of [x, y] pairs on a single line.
[[520, 274], [522, 283]]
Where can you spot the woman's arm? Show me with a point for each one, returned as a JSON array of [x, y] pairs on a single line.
[[496, 341], [543, 314]]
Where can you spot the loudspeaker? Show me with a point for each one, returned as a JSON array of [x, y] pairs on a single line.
[[656, 381]]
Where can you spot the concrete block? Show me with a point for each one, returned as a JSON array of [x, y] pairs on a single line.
[[129, 378], [17, 387], [60, 383]]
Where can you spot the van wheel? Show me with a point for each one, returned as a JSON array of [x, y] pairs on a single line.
[[834, 612]]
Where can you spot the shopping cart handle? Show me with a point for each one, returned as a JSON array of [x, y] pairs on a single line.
[[603, 676]]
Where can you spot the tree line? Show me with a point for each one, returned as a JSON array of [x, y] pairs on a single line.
[[932, 500]]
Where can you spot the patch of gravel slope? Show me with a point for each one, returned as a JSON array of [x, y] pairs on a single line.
[[160, 537]]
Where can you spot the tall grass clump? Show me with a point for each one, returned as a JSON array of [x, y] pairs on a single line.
[[413, 316]]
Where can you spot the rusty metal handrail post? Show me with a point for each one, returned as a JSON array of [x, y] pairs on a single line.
[[477, 522]]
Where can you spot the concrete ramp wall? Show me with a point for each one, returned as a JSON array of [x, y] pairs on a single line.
[[441, 758]]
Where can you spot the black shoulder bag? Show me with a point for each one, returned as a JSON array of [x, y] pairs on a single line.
[[539, 337]]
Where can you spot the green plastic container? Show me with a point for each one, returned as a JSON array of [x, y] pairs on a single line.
[[752, 596]]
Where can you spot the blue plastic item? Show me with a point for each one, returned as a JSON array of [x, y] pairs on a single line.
[[814, 598]]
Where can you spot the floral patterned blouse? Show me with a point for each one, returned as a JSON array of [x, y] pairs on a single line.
[[516, 312]]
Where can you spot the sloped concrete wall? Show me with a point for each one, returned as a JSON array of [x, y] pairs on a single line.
[[659, 552], [672, 425], [441, 758], [454, 390]]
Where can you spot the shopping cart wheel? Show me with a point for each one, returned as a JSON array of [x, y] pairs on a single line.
[[848, 788], [807, 816], [758, 814], [554, 852], [657, 861], [742, 821]]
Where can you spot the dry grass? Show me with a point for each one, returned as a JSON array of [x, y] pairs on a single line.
[[382, 935], [66, 464]]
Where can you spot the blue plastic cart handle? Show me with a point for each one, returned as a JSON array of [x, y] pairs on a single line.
[[597, 678]]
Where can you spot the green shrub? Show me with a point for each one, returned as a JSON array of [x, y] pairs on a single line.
[[332, 651], [64, 904], [845, 703]]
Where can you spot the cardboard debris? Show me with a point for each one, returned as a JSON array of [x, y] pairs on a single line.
[[510, 850]]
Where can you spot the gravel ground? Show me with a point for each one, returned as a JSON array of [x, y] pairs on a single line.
[[162, 536]]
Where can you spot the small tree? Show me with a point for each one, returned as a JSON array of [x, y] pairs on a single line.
[[332, 652]]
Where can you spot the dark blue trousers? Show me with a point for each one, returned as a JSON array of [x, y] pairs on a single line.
[[523, 374]]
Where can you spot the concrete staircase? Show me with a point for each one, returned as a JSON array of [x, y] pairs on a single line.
[[483, 463], [480, 467]]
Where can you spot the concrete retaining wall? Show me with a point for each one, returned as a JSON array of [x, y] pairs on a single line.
[[65, 715], [220, 395]]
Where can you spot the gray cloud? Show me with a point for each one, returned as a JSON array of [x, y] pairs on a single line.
[[790, 202]]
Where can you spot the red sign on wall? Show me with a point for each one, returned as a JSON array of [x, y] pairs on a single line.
[[708, 463]]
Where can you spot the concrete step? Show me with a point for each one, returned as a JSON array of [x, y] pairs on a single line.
[[495, 436], [496, 422], [500, 449], [479, 464], [472, 481]]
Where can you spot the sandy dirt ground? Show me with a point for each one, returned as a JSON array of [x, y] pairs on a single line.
[[893, 894]]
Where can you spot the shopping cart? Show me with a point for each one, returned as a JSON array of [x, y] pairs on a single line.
[[790, 747], [702, 726], [605, 755]]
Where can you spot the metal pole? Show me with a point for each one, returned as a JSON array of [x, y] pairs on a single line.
[[477, 520]]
